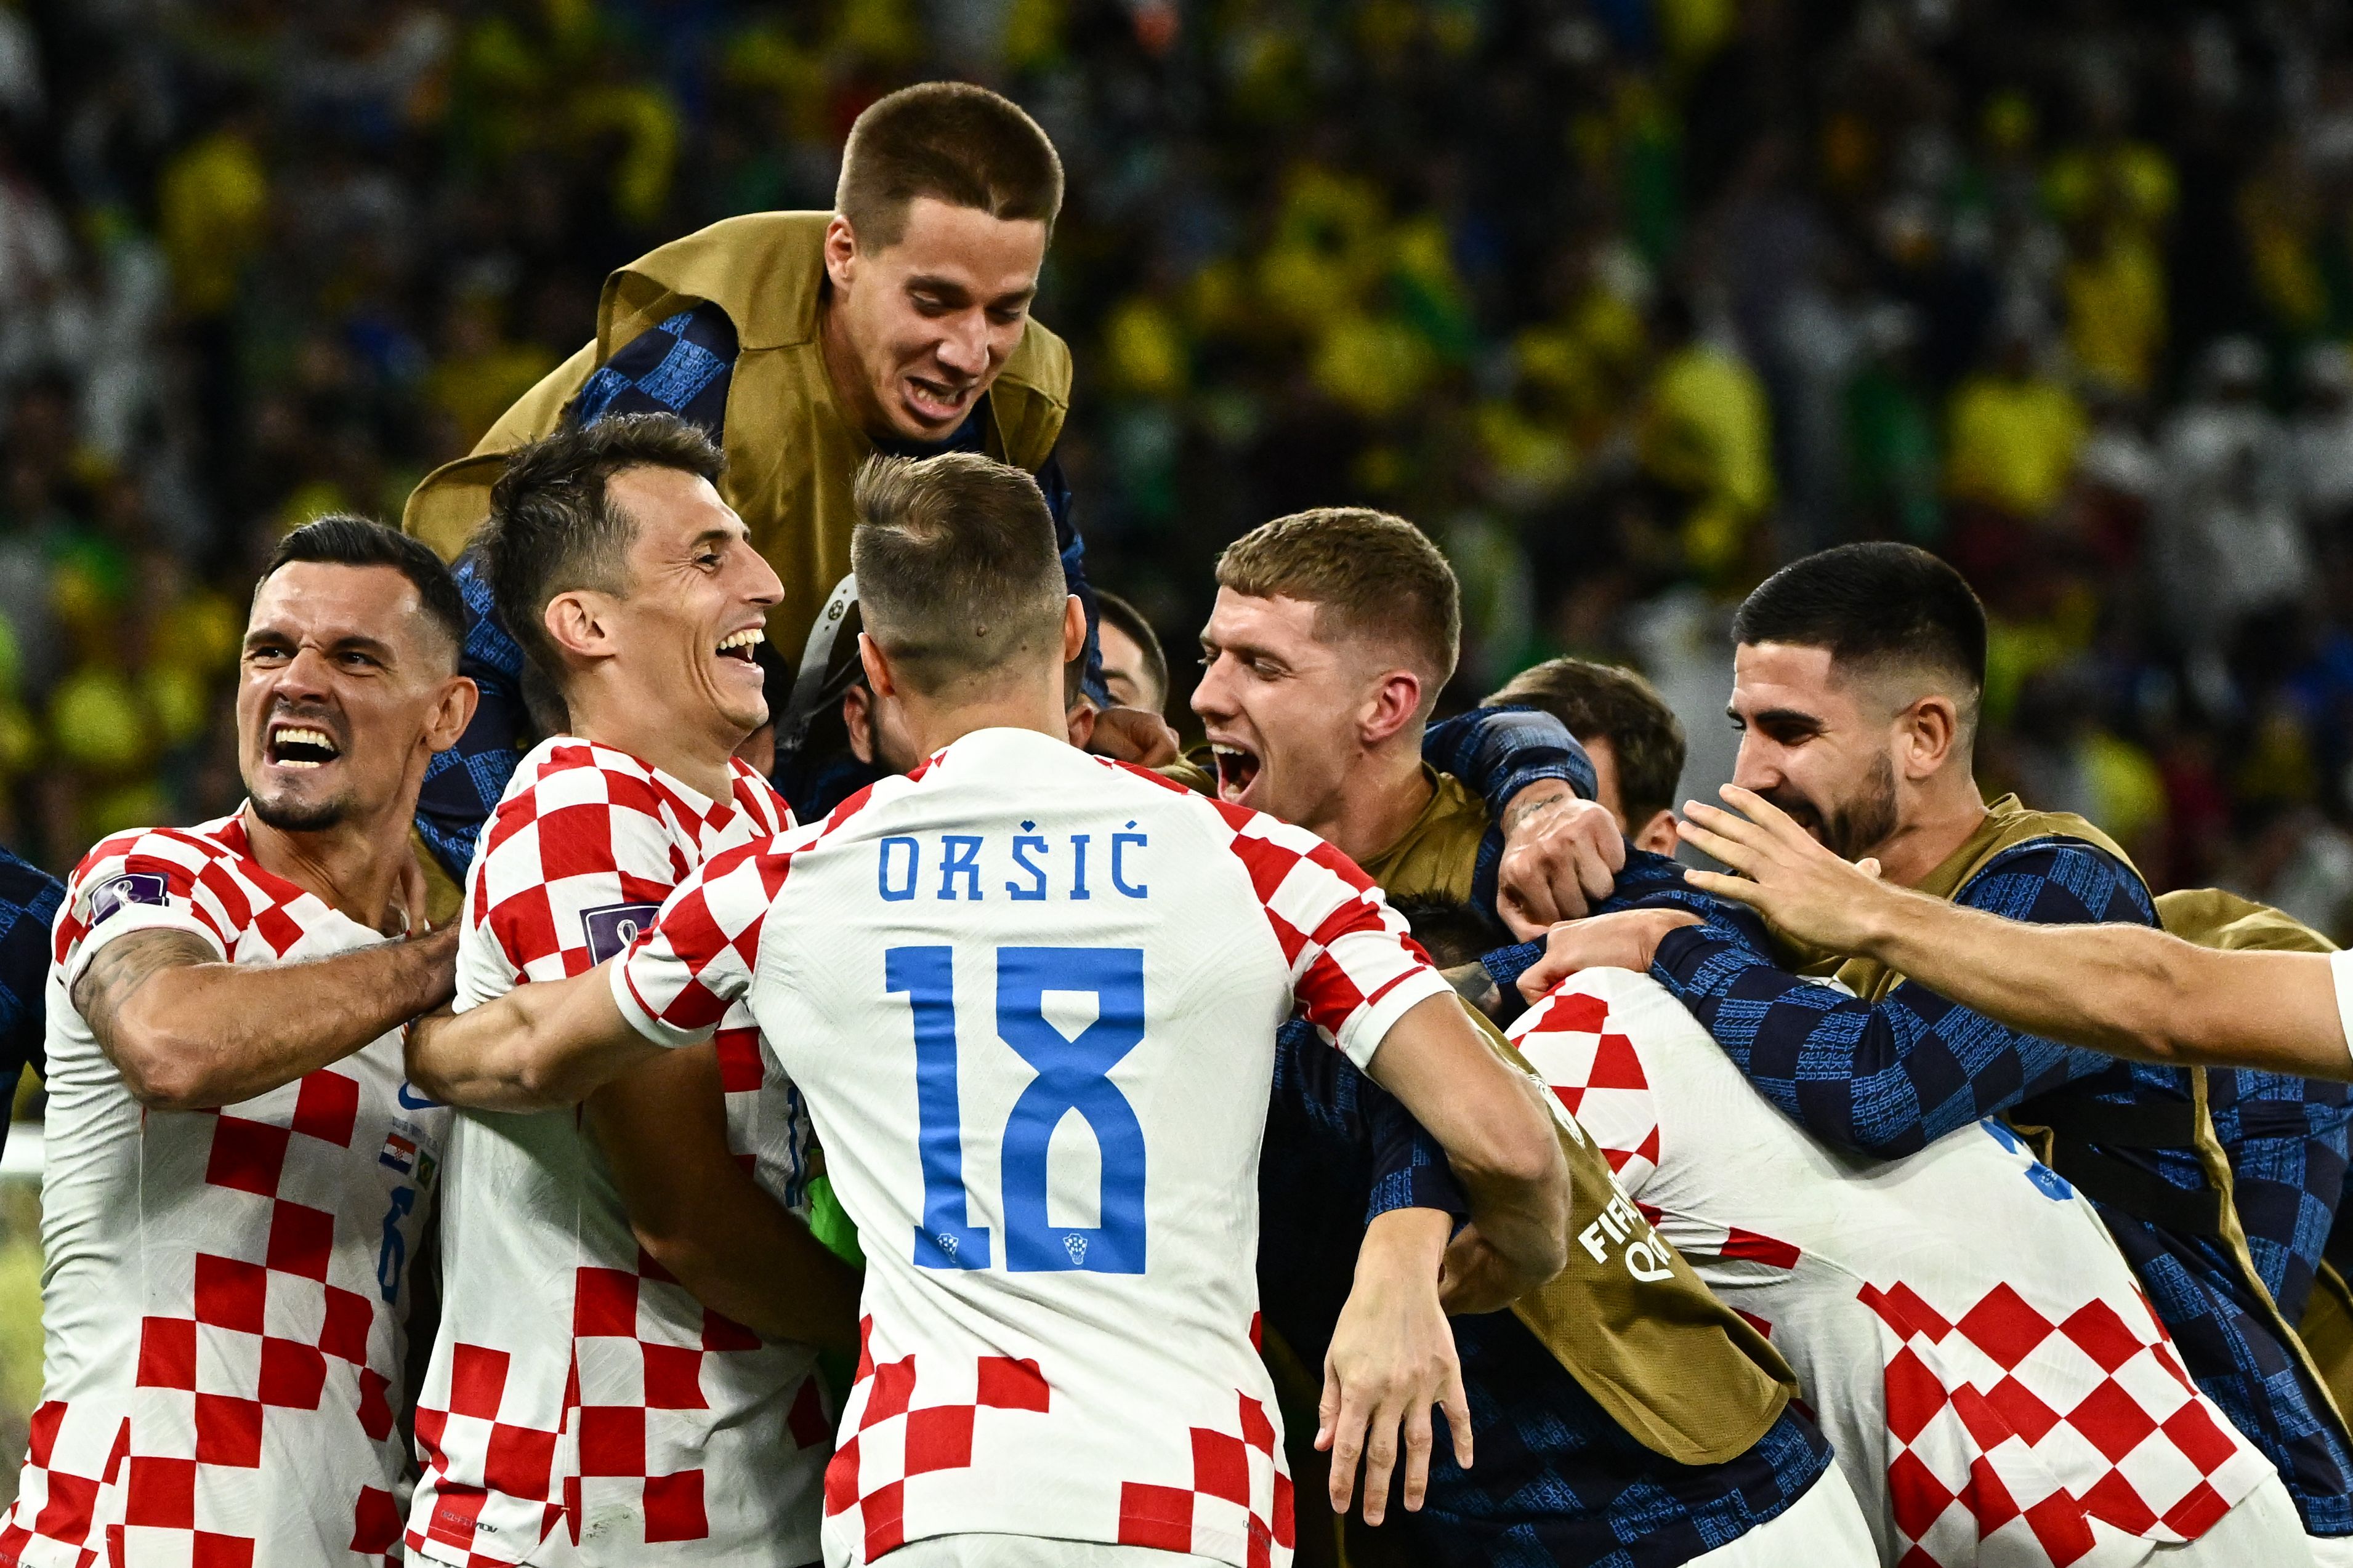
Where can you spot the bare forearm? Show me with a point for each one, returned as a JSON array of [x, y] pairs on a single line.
[[2130, 991], [188, 1032], [541, 1045], [663, 1129]]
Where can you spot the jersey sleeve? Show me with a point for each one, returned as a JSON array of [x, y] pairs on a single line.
[[149, 881], [679, 978], [1596, 1073], [1354, 972], [1499, 752], [572, 872], [1888, 1078]]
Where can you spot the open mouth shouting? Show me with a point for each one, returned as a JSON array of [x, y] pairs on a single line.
[[937, 403], [300, 746], [1237, 770]]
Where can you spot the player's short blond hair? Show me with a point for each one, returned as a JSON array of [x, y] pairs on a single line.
[[1370, 575]]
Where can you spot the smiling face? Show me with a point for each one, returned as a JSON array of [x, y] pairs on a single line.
[[917, 330], [343, 683], [1819, 745], [681, 641], [1285, 711]]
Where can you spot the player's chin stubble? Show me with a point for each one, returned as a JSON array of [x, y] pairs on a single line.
[[302, 817]]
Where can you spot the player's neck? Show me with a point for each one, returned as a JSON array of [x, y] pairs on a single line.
[[934, 722], [353, 868], [655, 737], [840, 357], [1937, 820], [1377, 799]]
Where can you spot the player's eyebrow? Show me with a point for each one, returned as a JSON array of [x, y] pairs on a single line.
[[950, 292], [1779, 718]]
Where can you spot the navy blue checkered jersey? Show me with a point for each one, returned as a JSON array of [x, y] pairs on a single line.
[[683, 365], [28, 903], [1886, 1078], [1557, 1481]]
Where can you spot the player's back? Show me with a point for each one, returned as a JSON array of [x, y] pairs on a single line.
[[1995, 1384], [1031, 997]]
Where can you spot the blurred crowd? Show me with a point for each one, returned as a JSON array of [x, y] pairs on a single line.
[[1625, 301]]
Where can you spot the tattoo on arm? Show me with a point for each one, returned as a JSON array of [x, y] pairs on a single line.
[[1532, 800], [120, 968]]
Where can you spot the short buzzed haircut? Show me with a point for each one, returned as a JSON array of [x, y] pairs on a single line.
[[1609, 702], [1368, 574], [1875, 606], [957, 572], [554, 527], [955, 142], [1117, 613], [339, 538]]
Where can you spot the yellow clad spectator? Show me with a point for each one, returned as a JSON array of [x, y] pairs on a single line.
[[2115, 287], [213, 208], [1706, 431], [480, 372], [2014, 433]]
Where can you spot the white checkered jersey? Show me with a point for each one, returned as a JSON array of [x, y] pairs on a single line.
[[1032, 996], [574, 1385], [223, 1307], [1996, 1386]]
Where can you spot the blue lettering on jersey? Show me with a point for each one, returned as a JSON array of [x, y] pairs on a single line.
[[963, 857], [1072, 1075], [1119, 843], [913, 866], [1023, 842], [1079, 875], [905, 889], [609, 929]]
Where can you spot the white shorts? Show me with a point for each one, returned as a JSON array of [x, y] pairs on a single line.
[[977, 1550], [1823, 1528]]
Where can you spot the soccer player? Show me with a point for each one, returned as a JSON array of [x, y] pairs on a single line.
[[2126, 990], [2017, 1404], [1856, 681], [1333, 632], [1634, 740], [28, 901], [1134, 667], [237, 1171], [803, 341], [577, 1374], [1032, 996]]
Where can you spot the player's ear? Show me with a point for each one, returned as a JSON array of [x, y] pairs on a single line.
[[1074, 627], [1394, 702], [881, 678], [1931, 731], [1658, 835], [840, 251], [453, 710], [574, 624], [858, 717]]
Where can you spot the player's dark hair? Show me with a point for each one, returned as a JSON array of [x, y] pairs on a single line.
[[1453, 934], [1606, 701], [957, 572], [1875, 604], [554, 527], [955, 142], [1368, 575], [340, 539], [1117, 612]]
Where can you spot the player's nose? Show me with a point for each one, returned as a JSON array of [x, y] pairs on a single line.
[[963, 349]]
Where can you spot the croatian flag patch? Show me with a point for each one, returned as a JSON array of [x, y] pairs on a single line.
[[400, 1153], [130, 887]]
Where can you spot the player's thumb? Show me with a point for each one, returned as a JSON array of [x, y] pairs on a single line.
[[1869, 867]]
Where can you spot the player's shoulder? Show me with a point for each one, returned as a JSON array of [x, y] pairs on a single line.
[[169, 852], [1607, 1002], [565, 771], [759, 798]]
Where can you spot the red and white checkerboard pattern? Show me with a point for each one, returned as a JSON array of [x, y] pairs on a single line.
[[1239, 1493], [575, 1385], [899, 1441], [246, 1266], [1986, 1410], [2030, 1409]]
